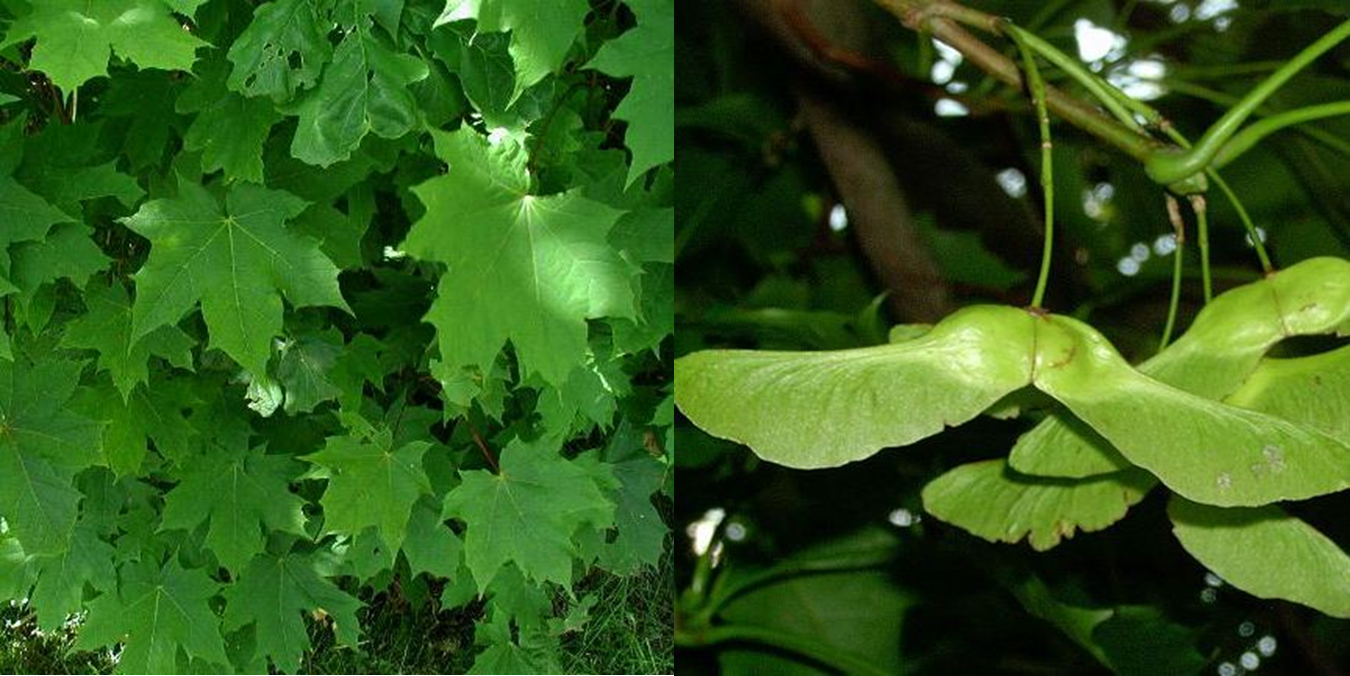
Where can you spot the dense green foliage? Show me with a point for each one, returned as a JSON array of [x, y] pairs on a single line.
[[1219, 461], [309, 301]]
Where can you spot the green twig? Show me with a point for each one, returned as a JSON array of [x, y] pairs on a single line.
[[1170, 167], [1252, 233], [941, 20], [1253, 133], [1201, 209], [813, 649], [1187, 88], [1094, 85], [1037, 89], [1179, 227]]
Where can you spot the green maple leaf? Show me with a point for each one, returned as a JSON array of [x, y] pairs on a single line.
[[641, 531], [68, 252], [106, 327], [61, 578], [430, 546], [282, 51], [365, 89], [243, 492], [541, 30], [157, 612], [154, 412], [65, 165], [42, 445], [306, 363], [27, 218], [529, 512], [371, 484], [237, 261], [520, 267], [229, 129], [647, 54], [75, 38], [274, 593]]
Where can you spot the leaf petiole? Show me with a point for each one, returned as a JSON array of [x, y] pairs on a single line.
[[1036, 85]]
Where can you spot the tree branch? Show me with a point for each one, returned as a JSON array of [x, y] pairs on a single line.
[[940, 19]]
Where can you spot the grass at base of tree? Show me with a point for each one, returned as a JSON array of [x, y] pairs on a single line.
[[630, 631]]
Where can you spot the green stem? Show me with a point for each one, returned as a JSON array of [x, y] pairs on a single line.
[[1095, 85], [1253, 133], [941, 20], [1171, 167], [1331, 141], [807, 647], [1037, 87], [1246, 219], [1179, 227], [1201, 209]]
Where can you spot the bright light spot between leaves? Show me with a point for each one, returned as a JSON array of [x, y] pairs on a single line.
[[392, 254], [942, 72], [1096, 199], [1165, 244], [838, 218], [945, 65], [1141, 78], [497, 135], [902, 518], [1213, 580], [1266, 646], [702, 531], [1249, 661], [1260, 232], [735, 532], [950, 108], [1096, 43], [957, 87], [1012, 181], [1210, 9]]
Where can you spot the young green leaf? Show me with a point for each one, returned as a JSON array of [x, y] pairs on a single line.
[[991, 500], [1266, 552], [824, 409], [237, 261]]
